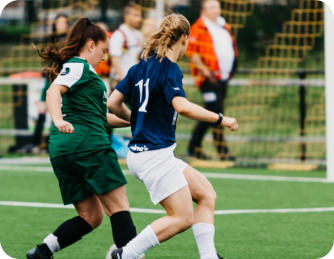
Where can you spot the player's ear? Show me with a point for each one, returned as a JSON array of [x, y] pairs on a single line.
[[184, 39], [90, 45]]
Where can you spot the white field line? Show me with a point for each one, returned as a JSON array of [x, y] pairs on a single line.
[[207, 174], [21, 168], [25, 161], [265, 177], [157, 211]]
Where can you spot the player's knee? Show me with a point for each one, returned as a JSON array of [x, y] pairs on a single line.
[[94, 219], [209, 198], [187, 220]]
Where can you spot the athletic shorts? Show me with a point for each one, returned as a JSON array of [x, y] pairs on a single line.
[[159, 170], [82, 174]]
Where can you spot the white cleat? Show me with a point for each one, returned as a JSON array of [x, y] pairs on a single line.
[[113, 247]]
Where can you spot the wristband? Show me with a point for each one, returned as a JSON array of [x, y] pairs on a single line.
[[221, 116]]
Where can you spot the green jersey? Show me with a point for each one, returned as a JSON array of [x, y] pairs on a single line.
[[85, 106]]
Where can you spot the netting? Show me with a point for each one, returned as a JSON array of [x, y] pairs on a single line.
[[280, 121]]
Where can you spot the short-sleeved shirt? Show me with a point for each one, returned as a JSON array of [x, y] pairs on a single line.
[[85, 106], [150, 87], [126, 43]]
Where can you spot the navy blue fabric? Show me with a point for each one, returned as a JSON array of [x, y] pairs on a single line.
[[149, 88]]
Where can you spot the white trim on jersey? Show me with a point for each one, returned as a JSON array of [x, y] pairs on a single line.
[[69, 74], [91, 68]]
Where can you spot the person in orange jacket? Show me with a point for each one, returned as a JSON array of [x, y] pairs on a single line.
[[103, 68], [213, 58]]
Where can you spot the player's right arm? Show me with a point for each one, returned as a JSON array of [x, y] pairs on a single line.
[[53, 103], [196, 112], [116, 105]]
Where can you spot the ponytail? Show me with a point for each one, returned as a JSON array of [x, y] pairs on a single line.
[[83, 30], [169, 32]]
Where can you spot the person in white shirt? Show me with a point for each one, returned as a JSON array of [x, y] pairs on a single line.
[[126, 42], [213, 60]]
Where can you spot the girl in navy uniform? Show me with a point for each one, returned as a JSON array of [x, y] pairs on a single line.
[[154, 90]]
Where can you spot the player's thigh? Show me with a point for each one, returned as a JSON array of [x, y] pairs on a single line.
[[179, 203], [200, 188], [115, 200]]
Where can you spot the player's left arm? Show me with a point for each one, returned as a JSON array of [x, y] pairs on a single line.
[[116, 122], [116, 105], [53, 103]]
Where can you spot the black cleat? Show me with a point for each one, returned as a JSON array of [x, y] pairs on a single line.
[[117, 254], [40, 252], [198, 152], [219, 257]]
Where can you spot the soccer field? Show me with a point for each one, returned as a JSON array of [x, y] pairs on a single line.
[[250, 222]]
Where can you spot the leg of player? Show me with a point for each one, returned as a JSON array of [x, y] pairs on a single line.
[[179, 217], [204, 195], [90, 216], [116, 206]]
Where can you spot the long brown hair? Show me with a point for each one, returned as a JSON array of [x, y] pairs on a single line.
[[82, 31], [169, 32]]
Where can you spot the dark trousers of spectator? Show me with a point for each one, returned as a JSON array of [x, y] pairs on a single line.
[[37, 137], [213, 96]]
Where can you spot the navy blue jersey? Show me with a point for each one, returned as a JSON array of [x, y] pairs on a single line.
[[149, 88]]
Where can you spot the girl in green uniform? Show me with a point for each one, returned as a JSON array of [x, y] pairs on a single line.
[[85, 164]]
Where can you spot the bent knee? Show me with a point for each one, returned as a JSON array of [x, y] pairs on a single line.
[[209, 198], [186, 221], [94, 220]]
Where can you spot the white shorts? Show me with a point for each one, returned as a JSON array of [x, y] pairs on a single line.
[[159, 170]]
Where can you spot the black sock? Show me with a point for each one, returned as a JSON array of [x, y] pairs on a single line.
[[71, 231], [123, 229]]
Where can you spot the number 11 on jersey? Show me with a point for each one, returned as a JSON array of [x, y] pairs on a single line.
[[141, 85]]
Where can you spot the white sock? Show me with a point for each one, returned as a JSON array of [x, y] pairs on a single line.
[[52, 242], [204, 234], [141, 243]]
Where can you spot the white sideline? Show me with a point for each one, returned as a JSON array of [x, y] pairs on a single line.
[[157, 211], [207, 174]]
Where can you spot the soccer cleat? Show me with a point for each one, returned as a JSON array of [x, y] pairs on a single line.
[[112, 248], [219, 257], [227, 157], [40, 252], [197, 152], [117, 254]]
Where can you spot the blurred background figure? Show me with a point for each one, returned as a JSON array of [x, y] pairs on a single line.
[[57, 37], [148, 27], [126, 43], [103, 68], [213, 55]]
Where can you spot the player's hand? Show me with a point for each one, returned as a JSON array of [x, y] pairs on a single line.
[[64, 126], [230, 122]]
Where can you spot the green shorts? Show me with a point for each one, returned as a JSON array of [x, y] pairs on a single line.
[[82, 174]]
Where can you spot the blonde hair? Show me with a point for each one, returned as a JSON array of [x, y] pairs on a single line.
[[169, 32]]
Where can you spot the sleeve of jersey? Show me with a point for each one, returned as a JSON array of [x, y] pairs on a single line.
[[70, 74], [116, 44], [173, 85], [124, 85]]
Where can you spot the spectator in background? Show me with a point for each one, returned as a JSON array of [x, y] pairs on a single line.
[[57, 37], [213, 59], [126, 43], [103, 68], [148, 28]]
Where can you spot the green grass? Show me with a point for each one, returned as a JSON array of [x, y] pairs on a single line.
[[257, 236]]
